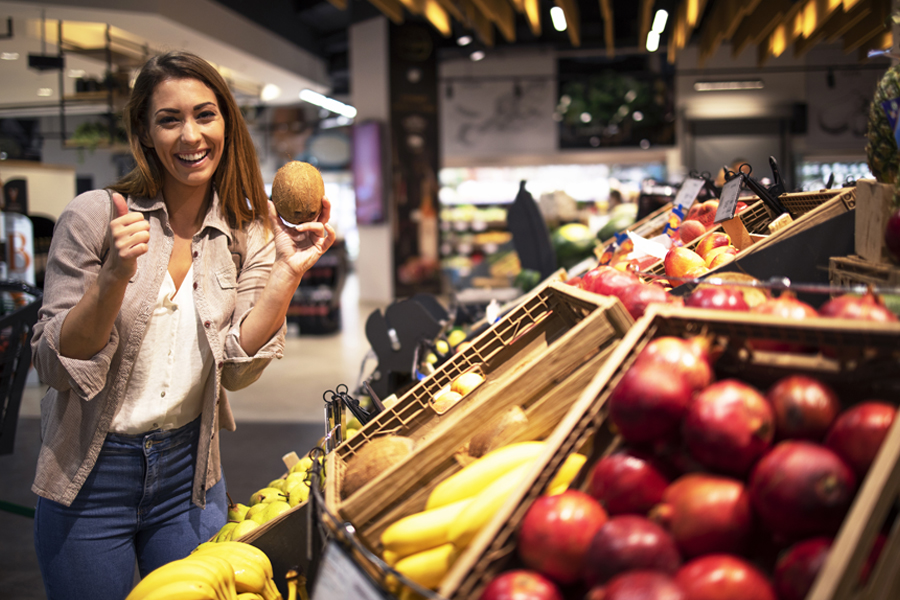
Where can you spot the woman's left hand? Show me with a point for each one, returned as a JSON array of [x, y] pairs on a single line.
[[299, 247]]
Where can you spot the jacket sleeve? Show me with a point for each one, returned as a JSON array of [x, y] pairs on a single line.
[[240, 370], [73, 264]]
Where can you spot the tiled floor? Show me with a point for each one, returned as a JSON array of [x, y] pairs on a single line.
[[281, 412]]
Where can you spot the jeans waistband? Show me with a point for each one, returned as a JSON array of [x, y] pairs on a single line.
[[157, 439]]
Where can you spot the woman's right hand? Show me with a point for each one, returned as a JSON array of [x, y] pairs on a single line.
[[130, 233]]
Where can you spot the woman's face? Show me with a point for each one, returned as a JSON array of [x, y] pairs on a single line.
[[187, 129]]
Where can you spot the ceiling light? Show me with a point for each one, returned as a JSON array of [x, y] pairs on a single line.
[[464, 40], [728, 86], [558, 16], [76, 73], [44, 92], [9, 56], [269, 92], [477, 55], [652, 41], [659, 21], [325, 102]]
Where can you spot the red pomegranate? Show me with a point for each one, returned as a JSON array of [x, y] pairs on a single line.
[[626, 543], [867, 307], [801, 489], [723, 577], [612, 282], [717, 297], [690, 357], [638, 296], [589, 279], [858, 432], [574, 282], [785, 306], [798, 567], [627, 482], [649, 402], [556, 532], [706, 514], [892, 235], [728, 426], [639, 585], [804, 407], [520, 584]]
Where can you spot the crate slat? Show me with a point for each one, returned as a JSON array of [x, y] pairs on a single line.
[[853, 270]]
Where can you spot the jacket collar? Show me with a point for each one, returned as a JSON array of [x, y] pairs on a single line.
[[214, 218]]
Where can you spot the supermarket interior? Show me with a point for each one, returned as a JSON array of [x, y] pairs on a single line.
[[637, 262]]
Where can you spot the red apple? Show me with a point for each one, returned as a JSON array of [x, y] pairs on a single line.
[[521, 584], [638, 585], [723, 577], [627, 482], [713, 240], [705, 212], [680, 262], [721, 259], [690, 229], [720, 251], [557, 531], [626, 543], [857, 433]]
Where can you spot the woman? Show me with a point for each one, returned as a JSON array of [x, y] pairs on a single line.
[[157, 296]]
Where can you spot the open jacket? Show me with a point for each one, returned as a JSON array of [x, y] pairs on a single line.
[[83, 396]]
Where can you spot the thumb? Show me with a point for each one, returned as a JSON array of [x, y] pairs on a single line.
[[120, 204]]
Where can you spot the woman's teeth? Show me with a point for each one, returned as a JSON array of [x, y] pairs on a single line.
[[194, 157]]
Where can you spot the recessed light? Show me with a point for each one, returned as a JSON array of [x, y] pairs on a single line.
[[44, 92], [9, 56], [269, 92]]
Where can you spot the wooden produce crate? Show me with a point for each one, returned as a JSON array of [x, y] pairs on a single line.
[[872, 214], [853, 270], [867, 366], [538, 357]]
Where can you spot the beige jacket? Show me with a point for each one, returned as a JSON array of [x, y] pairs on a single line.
[[79, 406]]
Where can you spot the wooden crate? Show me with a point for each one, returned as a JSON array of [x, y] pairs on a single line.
[[565, 330], [853, 270], [867, 366], [872, 214]]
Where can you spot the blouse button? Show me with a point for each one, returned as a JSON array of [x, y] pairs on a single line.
[[195, 285], [207, 324], [221, 364], [196, 254]]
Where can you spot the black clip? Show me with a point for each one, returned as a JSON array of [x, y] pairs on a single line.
[[759, 189], [342, 392], [777, 187]]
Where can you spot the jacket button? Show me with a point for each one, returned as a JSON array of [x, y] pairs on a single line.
[[221, 364], [196, 254], [207, 324], [196, 285]]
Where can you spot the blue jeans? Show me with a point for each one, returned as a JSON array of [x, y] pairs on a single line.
[[134, 507]]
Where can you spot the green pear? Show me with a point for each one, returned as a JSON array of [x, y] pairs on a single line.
[[242, 529], [292, 480], [266, 494], [302, 466], [354, 424], [255, 510], [226, 529], [276, 484], [299, 493], [274, 509], [236, 512]]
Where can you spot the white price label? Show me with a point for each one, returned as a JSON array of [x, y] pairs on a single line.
[[340, 578], [728, 200], [688, 192], [643, 246]]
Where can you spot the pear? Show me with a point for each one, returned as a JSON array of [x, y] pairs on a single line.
[[354, 424], [276, 484], [292, 480], [302, 466], [456, 336], [442, 347], [255, 511], [237, 512], [225, 531], [299, 493], [274, 509], [242, 529], [350, 432], [267, 494]]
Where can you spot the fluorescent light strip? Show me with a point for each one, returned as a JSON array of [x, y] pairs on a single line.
[[659, 21], [327, 103], [558, 16], [652, 41], [728, 86]]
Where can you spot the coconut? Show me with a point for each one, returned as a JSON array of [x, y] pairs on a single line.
[[499, 433], [297, 192], [374, 458]]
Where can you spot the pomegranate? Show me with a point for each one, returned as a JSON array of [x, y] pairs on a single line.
[[798, 567], [804, 408], [717, 297], [723, 577], [706, 514], [574, 282], [892, 235], [589, 279], [626, 543], [639, 585], [637, 296], [801, 489], [520, 584], [689, 357], [858, 432], [785, 306], [612, 282], [627, 482], [867, 307], [556, 532], [728, 426], [649, 402]]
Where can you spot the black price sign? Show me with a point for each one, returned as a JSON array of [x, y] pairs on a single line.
[[688, 192], [728, 200], [340, 577]]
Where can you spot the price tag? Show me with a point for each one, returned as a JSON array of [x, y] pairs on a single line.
[[643, 246], [340, 577], [687, 193], [728, 200]]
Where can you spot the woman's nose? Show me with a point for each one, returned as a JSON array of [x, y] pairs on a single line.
[[191, 131]]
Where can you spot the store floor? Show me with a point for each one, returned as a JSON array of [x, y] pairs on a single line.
[[281, 412]]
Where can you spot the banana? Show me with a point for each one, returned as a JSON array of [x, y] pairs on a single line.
[[175, 572], [481, 473], [249, 596], [485, 505], [390, 558], [421, 530], [182, 590], [222, 570], [249, 551], [271, 591], [566, 474], [250, 574], [427, 568]]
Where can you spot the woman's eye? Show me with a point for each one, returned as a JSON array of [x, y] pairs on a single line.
[[167, 120], [207, 114]]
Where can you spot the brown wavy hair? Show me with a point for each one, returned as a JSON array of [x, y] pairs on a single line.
[[237, 179]]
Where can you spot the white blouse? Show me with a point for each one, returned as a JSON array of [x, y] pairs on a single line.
[[165, 390]]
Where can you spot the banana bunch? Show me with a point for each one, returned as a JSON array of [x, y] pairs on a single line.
[[224, 571], [424, 545]]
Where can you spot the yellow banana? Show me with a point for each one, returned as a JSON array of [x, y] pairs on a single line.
[[422, 530], [222, 570], [271, 591], [249, 596], [390, 558], [485, 505], [566, 474], [427, 568], [249, 575], [249, 550], [481, 473], [174, 572], [182, 590]]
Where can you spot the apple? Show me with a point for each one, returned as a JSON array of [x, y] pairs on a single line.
[[714, 240], [690, 230], [466, 382], [521, 584], [705, 212], [680, 262], [556, 533], [711, 254], [740, 207], [721, 259]]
